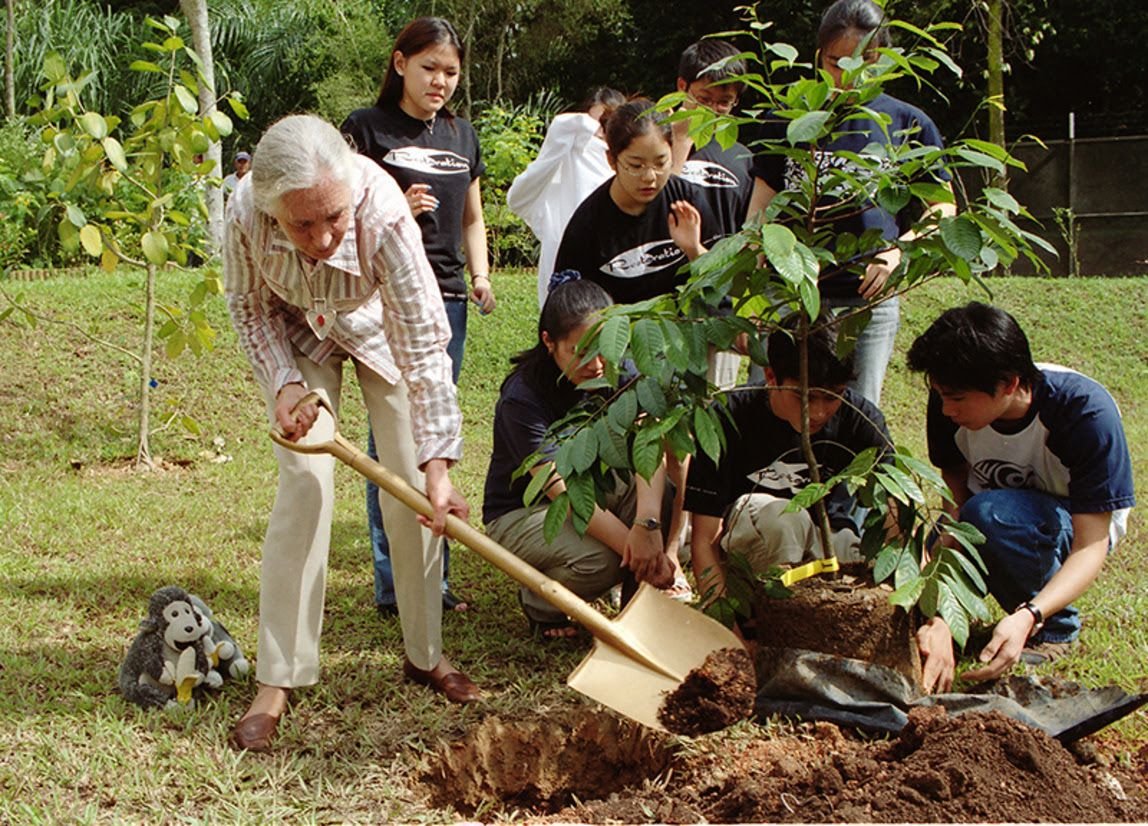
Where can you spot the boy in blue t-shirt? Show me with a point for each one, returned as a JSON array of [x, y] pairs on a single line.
[[1037, 460]]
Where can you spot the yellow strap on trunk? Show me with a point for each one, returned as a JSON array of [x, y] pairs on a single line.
[[817, 566]]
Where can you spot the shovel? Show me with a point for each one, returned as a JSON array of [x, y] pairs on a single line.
[[638, 658]]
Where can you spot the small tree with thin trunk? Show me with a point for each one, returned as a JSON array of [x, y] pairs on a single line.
[[147, 176]]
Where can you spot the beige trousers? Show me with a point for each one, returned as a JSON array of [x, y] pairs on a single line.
[[294, 568], [759, 529]]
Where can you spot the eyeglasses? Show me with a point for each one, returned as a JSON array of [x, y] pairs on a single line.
[[639, 170]]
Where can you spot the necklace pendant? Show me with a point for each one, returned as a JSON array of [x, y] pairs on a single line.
[[321, 318]]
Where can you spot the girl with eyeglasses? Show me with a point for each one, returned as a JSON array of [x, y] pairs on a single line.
[[634, 233]]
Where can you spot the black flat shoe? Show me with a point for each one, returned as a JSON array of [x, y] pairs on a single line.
[[387, 609]]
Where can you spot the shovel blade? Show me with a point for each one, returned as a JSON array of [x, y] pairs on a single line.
[[680, 637]]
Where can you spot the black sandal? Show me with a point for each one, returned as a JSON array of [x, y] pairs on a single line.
[[451, 602], [541, 629]]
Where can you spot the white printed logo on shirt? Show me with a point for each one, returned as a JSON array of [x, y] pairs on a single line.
[[643, 260], [708, 175], [781, 477], [428, 161]]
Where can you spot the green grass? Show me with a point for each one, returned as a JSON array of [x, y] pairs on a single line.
[[87, 539]]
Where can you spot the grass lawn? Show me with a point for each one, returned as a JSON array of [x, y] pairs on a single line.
[[87, 539]]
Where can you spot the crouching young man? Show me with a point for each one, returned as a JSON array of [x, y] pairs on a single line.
[[1037, 459], [738, 505]]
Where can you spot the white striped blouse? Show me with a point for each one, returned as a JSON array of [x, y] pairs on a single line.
[[389, 310]]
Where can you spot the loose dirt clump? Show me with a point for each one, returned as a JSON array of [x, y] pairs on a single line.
[[713, 696], [546, 763]]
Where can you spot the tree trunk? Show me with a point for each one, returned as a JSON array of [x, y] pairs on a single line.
[[196, 13], [996, 81], [9, 62], [143, 451]]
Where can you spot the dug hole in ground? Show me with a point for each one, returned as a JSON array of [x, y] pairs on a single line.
[[590, 766]]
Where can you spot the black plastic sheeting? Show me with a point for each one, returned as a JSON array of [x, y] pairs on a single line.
[[813, 686]]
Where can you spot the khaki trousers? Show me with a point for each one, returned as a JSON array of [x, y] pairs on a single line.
[[759, 529], [294, 569]]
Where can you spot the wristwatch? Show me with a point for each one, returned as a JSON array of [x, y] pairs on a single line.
[[1037, 616], [649, 523]]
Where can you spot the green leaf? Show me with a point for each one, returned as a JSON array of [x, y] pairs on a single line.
[[806, 128], [54, 68], [706, 429], [155, 247], [886, 562], [908, 569], [647, 452], [583, 498], [949, 607], [221, 122], [583, 450], [94, 124], [115, 153], [238, 107], [90, 239], [186, 99], [906, 595], [145, 66], [614, 338], [961, 236], [777, 240], [75, 216], [905, 482], [535, 488], [651, 397], [647, 343], [1001, 199], [175, 344], [808, 496], [623, 411], [972, 604], [612, 446], [556, 515], [68, 234]]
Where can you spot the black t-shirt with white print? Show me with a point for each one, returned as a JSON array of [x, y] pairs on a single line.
[[632, 257], [444, 154], [726, 177]]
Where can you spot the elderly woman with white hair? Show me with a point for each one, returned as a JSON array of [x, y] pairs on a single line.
[[324, 264]]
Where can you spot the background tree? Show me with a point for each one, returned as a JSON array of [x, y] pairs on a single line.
[[144, 188]]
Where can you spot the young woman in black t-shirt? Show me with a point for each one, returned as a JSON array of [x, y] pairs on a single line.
[[633, 234], [625, 535], [434, 156]]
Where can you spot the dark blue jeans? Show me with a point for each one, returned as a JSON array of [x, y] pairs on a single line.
[[1028, 535], [380, 548]]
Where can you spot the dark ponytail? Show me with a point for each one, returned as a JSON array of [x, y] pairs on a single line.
[[845, 16]]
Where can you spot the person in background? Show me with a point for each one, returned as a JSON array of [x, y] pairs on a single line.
[[322, 266], [706, 73], [570, 165], [242, 165], [624, 542], [435, 157], [634, 232], [1037, 460], [847, 28]]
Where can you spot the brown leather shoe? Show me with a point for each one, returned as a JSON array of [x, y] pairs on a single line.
[[254, 733], [456, 686]]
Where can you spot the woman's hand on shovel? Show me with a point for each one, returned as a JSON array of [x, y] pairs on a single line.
[[443, 497], [294, 423]]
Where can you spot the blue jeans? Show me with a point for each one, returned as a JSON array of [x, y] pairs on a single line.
[[380, 548], [1028, 535], [873, 350]]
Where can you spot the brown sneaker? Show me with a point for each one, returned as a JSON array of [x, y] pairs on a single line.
[[1045, 652]]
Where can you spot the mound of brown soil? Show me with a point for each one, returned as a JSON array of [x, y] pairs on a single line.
[[713, 696], [970, 768]]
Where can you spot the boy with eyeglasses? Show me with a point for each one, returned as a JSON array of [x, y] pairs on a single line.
[[706, 73]]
